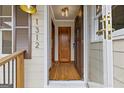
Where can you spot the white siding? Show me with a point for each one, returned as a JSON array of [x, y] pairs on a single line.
[[34, 68], [96, 63], [118, 56]]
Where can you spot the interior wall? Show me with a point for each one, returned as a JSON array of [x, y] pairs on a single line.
[[51, 18], [64, 24]]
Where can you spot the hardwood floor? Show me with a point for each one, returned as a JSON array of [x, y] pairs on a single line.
[[63, 71]]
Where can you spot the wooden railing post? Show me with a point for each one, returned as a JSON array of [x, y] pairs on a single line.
[[20, 71], [19, 57]]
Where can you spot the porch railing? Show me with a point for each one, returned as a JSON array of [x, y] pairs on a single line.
[[12, 70]]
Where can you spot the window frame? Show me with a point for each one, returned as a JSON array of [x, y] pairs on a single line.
[[94, 25]]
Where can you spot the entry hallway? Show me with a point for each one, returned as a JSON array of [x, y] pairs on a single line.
[[64, 71]]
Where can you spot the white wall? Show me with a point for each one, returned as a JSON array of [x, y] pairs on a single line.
[[65, 24]]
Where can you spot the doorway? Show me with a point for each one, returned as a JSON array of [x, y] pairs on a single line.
[[90, 76], [68, 44]]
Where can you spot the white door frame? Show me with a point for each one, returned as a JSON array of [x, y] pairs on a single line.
[[109, 52], [86, 47], [46, 48]]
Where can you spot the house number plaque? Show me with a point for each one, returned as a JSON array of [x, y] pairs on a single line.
[[37, 44]]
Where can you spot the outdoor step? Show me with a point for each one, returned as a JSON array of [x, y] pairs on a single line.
[[6, 85]]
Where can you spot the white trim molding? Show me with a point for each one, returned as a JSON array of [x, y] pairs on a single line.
[[95, 85], [66, 84], [52, 12], [46, 45], [86, 47]]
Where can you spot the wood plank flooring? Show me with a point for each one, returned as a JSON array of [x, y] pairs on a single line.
[[63, 71]]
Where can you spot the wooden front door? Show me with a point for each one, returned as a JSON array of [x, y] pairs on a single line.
[[64, 44]]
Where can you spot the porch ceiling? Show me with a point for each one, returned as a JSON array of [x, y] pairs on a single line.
[[73, 9]]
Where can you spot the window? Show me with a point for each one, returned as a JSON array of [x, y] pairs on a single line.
[[117, 17], [22, 31], [118, 21], [16, 24], [5, 29], [96, 22], [6, 42]]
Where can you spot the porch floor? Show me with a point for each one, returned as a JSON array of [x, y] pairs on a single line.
[[63, 71]]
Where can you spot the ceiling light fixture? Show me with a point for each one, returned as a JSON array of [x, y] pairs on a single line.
[[65, 11]]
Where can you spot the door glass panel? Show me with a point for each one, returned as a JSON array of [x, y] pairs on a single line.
[[117, 17]]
